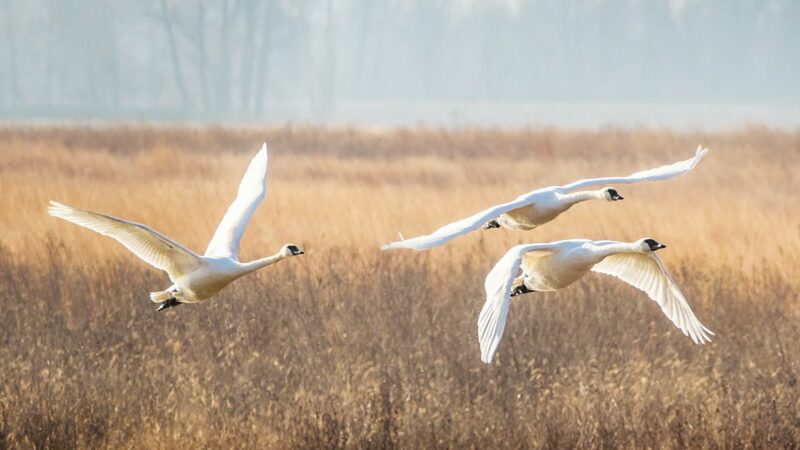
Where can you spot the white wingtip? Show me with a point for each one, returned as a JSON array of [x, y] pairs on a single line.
[[262, 153], [397, 244], [56, 209], [700, 153], [488, 353]]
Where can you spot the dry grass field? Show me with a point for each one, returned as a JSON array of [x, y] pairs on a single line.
[[351, 347]]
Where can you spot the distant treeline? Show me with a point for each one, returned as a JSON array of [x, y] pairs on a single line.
[[249, 59]]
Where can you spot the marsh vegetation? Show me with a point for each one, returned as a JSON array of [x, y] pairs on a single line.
[[352, 347]]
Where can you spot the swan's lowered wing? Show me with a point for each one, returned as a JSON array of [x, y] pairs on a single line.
[[151, 246], [252, 189], [647, 273], [492, 319], [659, 173], [462, 227]]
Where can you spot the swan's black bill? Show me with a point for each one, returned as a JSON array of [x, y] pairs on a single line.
[[171, 303], [654, 245], [615, 195], [295, 251], [491, 224]]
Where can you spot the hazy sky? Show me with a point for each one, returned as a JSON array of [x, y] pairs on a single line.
[[514, 62]]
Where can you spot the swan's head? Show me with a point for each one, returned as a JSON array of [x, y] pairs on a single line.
[[290, 250], [650, 245], [612, 195]]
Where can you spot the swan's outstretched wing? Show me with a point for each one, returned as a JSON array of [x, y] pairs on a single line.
[[659, 173], [647, 273], [462, 227], [151, 246], [252, 189], [492, 319]]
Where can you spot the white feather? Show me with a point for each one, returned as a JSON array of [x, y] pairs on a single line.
[[151, 246], [659, 173], [492, 319], [252, 189], [647, 273]]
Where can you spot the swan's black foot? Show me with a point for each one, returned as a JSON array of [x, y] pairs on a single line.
[[491, 224], [171, 303], [521, 289]]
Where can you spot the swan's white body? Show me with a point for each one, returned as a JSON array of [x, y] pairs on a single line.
[[556, 265], [538, 207], [195, 278]]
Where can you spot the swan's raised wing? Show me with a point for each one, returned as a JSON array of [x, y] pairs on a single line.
[[492, 319], [252, 189], [647, 273], [463, 226], [151, 246], [659, 173]]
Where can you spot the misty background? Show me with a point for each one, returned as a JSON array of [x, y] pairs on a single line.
[[678, 63]]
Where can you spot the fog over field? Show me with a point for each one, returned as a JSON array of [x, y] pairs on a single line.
[[674, 63]]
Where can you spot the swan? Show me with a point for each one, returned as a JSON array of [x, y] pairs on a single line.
[[538, 207], [556, 265], [195, 278]]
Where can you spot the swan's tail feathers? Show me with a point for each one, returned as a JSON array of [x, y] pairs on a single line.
[[161, 296]]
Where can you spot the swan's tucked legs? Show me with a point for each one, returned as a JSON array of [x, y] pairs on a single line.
[[491, 224], [521, 289], [171, 303]]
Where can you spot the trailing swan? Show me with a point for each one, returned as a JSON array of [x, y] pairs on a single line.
[[538, 207], [556, 265], [195, 278]]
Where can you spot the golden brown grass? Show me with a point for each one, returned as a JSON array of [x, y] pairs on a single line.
[[351, 347]]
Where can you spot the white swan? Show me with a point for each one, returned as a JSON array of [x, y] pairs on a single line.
[[196, 278], [538, 207], [556, 265]]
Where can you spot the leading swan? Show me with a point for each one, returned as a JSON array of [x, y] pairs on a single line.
[[195, 278], [556, 265], [538, 207]]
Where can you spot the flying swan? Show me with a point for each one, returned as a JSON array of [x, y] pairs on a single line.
[[195, 278], [538, 207], [556, 265]]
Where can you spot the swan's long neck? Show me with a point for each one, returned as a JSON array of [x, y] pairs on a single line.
[[613, 249], [252, 266], [582, 196]]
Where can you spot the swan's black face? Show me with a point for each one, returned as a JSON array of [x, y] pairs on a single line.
[[654, 245], [613, 195], [294, 250]]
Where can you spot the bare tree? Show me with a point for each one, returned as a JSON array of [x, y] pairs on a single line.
[[11, 48], [248, 54], [166, 21], [328, 98], [262, 59]]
